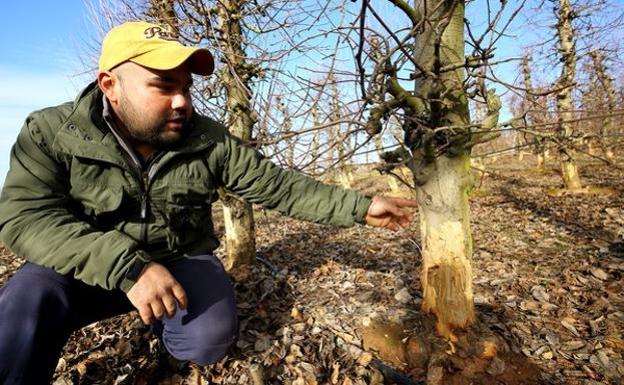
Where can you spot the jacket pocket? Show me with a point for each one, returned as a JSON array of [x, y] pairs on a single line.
[[96, 188], [97, 200], [189, 215]]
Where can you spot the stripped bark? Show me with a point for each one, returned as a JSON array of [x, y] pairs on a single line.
[[316, 140], [533, 117], [237, 73], [343, 175], [565, 105], [440, 157], [443, 198], [287, 132], [607, 128]]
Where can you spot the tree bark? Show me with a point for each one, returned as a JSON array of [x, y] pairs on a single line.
[[344, 176], [565, 105], [533, 118], [446, 274], [238, 214], [316, 140], [540, 160], [287, 130], [163, 12], [608, 125]]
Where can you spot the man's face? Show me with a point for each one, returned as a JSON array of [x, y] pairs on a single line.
[[154, 106]]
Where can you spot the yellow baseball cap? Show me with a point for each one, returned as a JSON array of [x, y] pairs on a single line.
[[152, 46]]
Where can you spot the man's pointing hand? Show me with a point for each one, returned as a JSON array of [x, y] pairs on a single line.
[[390, 213]]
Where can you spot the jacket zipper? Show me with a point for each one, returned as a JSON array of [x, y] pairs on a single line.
[[143, 182], [146, 179], [144, 204], [144, 176]]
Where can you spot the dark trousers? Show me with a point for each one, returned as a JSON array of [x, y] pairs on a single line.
[[40, 308]]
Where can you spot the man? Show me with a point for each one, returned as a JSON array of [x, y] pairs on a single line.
[[109, 200]]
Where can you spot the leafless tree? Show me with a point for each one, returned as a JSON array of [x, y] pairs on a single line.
[[438, 136], [604, 98]]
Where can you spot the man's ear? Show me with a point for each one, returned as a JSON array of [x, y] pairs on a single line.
[[108, 83]]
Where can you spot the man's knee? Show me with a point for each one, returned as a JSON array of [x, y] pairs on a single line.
[[36, 292], [204, 353], [204, 342], [36, 321], [204, 332]]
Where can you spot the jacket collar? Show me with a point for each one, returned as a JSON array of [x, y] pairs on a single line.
[[85, 133]]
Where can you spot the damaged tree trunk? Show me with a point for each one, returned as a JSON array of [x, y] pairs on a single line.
[[238, 214], [440, 135], [608, 124], [316, 140], [533, 118], [343, 172], [436, 125], [442, 195], [565, 105], [446, 275]]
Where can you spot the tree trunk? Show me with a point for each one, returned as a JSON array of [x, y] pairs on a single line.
[[571, 177], [607, 126], [163, 12], [238, 214], [343, 174], [540, 160], [437, 131], [447, 244], [530, 106], [287, 130], [565, 106], [446, 274], [240, 237], [316, 140], [591, 149]]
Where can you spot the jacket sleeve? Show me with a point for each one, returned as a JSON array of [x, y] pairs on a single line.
[[36, 220], [245, 172]]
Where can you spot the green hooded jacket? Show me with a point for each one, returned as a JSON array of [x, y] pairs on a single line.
[[74, 201]]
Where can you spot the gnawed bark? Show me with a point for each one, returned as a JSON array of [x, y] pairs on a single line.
[[533, 116], [443, 181], [540, 160], [446, 274], [607, 128], [238, 214], [565, 105], [240, 236]]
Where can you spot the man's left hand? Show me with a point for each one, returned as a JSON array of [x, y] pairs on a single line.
[[390, 213]]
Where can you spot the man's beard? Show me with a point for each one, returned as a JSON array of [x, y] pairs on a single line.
[[151, 132]]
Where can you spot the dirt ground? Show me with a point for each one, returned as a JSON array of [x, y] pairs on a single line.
[[547, 276]]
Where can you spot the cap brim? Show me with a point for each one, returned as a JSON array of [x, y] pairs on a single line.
[[166, 58]]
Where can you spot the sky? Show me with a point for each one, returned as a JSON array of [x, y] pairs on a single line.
[[40, 46], [44, 44]]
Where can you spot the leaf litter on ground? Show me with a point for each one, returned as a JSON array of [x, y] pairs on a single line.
[[546, 274]]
